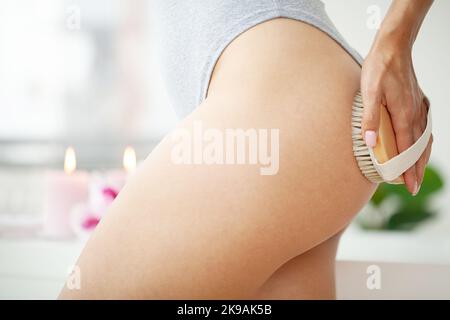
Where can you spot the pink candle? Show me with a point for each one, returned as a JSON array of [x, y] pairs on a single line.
[[63, 190]]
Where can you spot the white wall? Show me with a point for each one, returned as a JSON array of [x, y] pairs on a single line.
[[431, 61]]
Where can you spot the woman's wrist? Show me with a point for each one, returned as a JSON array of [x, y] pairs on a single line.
[[400, 27], [390, 53], [394, 38]]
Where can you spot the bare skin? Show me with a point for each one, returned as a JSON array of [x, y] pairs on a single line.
[[307, 276], [388, 78], [225, 231]]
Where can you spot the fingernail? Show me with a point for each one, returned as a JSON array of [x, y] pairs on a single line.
[[371, 138], [416, 188]]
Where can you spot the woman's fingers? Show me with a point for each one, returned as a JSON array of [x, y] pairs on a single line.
[[371, 115], [402, 115], [423, 161], [394, 84], [428, 151], [410, 175]]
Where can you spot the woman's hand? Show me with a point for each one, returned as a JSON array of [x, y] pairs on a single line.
[[388, 78]]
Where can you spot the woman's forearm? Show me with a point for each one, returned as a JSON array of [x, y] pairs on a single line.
[[402, 23], [388, 78]]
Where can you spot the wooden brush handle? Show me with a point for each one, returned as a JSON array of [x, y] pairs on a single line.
[[386, 147]]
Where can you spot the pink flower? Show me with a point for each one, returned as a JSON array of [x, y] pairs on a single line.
[[109, 193], [90, 222]]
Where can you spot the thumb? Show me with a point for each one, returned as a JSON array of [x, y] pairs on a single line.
[[371, 117]]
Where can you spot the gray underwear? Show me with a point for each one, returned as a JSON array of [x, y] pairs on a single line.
[[190, 35]]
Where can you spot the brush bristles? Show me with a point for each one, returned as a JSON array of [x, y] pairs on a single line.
[[360, 149]]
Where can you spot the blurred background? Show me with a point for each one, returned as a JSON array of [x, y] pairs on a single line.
[[80, 90], [74, 73]]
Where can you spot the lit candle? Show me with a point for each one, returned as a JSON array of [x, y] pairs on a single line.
[[113, 180], [129, 160], [63, 190], [117, 178]]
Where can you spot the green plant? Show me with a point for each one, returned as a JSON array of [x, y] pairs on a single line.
[[409, 211]]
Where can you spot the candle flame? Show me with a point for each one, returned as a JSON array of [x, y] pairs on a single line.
[[129, 159], [70, 161]]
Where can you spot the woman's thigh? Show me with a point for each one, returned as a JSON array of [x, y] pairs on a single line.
[[204, 230], [310, 275]]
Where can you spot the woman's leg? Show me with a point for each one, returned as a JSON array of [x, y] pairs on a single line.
[[221, 231], [310, 275]]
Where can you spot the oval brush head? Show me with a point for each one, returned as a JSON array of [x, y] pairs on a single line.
[[385, 149]]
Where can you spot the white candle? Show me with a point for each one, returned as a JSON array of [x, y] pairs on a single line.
[[63, 190]]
